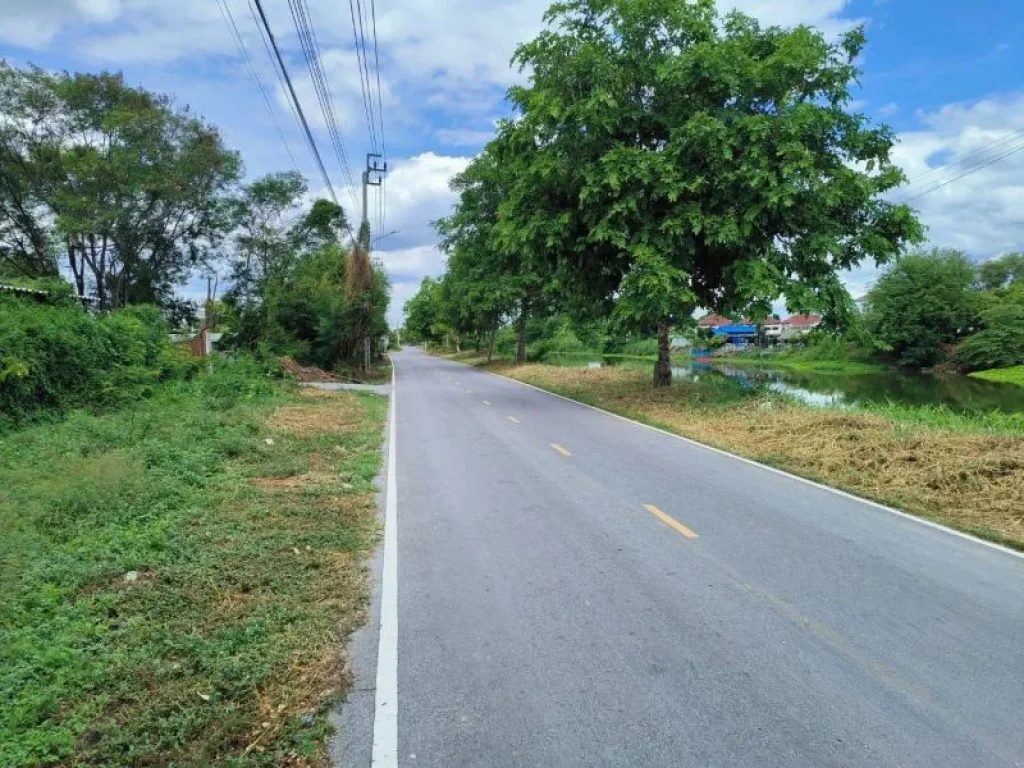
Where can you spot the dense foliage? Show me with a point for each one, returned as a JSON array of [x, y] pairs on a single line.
[[129, 195], [54, 358], [1000, 342], [665, 158], [115, 184], [296, 288], [923, 304]]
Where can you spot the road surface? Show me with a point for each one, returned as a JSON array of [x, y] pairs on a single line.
[[577, 590]]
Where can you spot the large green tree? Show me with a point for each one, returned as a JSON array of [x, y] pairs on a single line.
[[1002, 271], [268, 232], [424, 314], [129, 188], [485, 282], [924, 303], [680, 159]]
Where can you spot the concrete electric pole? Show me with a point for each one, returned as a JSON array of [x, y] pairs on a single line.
[[372, 177]]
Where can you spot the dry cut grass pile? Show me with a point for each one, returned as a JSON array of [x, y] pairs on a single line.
[[974, 482]]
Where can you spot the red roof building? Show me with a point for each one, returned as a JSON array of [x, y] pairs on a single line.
[[714, 321], [802, 322]]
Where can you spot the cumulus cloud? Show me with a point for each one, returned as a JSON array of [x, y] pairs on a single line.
[[417, 194], [406, 269], [35, 24], [983, 212]]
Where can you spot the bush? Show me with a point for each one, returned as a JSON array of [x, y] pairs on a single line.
[[1000, 344], [923, 303], [55, 358]]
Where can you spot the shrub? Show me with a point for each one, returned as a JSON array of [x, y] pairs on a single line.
[[922, 303], [1000, 344], [56, 357]]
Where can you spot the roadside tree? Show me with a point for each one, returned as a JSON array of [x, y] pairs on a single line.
[[679, 159]]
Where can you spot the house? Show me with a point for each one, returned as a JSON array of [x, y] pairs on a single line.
[[772, 327], [801, 323], [714, 321]]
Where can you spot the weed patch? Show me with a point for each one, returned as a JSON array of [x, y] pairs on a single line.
[[177, 578]]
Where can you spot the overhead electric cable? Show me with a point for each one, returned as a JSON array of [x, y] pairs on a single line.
[[229, 19], [298, 108]]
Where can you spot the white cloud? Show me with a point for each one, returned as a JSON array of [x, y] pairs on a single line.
[[344, 82], [35, 24], [417, 194], [824, 14], [983, 212], [889, 109], [406, 268]]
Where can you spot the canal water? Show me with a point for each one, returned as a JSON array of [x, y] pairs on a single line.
[[958, 393]]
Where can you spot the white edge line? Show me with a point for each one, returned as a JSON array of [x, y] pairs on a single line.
[[784, 473], [385, 716]]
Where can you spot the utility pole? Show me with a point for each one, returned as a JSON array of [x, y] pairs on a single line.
[[372, 177]]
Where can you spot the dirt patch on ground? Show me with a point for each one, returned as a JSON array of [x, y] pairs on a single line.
[[339, 413], [294, 481], [306, 373], [974, 482]]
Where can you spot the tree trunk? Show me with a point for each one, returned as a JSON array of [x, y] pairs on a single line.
[[663, 368], [521, 345], [490, 340], [77, 269]]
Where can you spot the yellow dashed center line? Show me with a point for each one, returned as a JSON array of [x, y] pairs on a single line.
[[513, 419], [560, 449], [670, 521]]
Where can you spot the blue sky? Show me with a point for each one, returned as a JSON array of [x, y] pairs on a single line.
[[948, 77]]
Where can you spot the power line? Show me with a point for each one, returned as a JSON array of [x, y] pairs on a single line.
[[975, 169], [930, 176], [225, 11], [298, 108], [376, 66], [364, 72], [314, 61], [270, 55]]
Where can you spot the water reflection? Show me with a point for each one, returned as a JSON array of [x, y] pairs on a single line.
[[959, 393]]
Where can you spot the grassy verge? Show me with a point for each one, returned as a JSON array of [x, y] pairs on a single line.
[[966, 472], [796, 362], [1014, 375], [176, 579]]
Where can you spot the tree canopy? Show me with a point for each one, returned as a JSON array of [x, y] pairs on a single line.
[[664, 158], [922, 303], [123, 187]]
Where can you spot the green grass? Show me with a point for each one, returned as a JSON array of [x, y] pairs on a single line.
[[1014, 375], [940, 417], [796, 362], [246, 556]]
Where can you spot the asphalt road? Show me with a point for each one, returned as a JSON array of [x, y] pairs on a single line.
[[548, 617]]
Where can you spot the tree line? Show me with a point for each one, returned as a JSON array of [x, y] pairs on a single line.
[[127, 195], [661, 158]]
